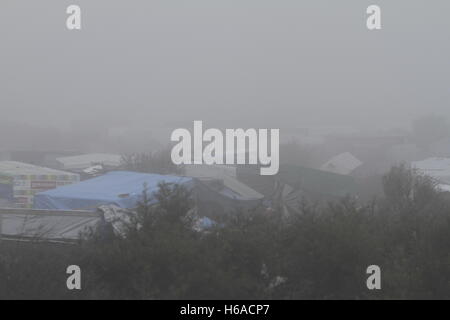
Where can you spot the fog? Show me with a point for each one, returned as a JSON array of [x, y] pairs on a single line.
[[235, 63], [326, 174]]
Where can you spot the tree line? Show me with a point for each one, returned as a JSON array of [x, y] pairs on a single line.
[[321, 253]]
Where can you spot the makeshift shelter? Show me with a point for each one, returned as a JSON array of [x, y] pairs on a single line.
[[121, 188], [294, 184], [45, 225], [317, 182], [310, 181], [250, 176], [436, 168], [226, 174], [287, 199], [213, 198], [19, 182], [343, 163], [85, 161]]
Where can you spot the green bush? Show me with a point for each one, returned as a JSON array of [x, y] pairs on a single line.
[[321, 253]]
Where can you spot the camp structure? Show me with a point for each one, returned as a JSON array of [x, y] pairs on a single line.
[[436, 168], [79, 163], [311, 181], [293, 184], [19, 182], [343, 163], [213, 199], [218, 191], [124, 189], [121, 188], [227, 175], [46, 225], [317, 183]]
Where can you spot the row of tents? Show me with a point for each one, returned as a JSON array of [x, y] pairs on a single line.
[[65, 212], [216, 190], [29, 186], [24, 185]]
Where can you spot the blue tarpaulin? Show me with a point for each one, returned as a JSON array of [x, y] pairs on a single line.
[[121, 188]]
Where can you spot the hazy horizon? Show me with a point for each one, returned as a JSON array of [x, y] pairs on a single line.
[[230, 63]]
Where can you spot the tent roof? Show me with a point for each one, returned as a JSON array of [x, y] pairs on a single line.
[[438, 168], [225, 173], [317, 181], [88, 160], [13, 168], [26, 224], [436, 165], [121, 188], [343, 163]]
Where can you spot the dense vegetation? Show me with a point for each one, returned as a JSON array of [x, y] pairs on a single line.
[[321, 254]]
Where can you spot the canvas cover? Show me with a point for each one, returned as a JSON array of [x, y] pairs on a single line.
[[310, 181], [45, 225], [438, 168], [317, 181], [84, 161], [225, 173], [343, 163], [214, 199]]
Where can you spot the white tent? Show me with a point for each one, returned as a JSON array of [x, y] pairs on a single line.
[[85, 161], [437, 168], [343, 163], [45, 225]]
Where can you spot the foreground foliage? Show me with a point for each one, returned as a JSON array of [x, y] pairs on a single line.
[[321, 254]]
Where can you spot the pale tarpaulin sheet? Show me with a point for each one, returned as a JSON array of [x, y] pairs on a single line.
[[343, 163], [45, 225], [84, 161]]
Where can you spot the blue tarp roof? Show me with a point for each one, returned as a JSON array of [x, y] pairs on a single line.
[[121, 188]]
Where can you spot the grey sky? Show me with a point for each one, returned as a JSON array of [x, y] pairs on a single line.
[[228, 62]]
